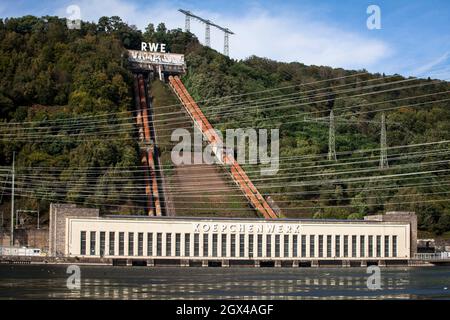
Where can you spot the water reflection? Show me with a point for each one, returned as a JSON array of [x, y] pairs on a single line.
[[220, 283]]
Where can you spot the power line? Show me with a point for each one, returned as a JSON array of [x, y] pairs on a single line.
[[309, 157], [278, 98], [241, 209], [383, 144], [40, 182], [213, 99], [27, 136], [112, 176], [321, 191]]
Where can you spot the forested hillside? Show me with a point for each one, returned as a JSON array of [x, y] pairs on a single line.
[[64, 93], [54, 80]]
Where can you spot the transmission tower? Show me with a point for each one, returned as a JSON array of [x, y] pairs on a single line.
[[208, 24], [187, 23], [332, 139], [226, 44], [383, 144], [208, 34]]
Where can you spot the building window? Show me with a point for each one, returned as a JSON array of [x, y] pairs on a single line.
[[177, 244], [378, 246], [394, 246], [205, 245], [92, 247], [338, 246], [168, 244], [354, 246], [329, 246], [277, 245], [224, 245], [102, 243], [386, 246], [346, 246], [295, 246], [320, 246], [250, 245], [140, 244], [286, 246], [362, 246], [214, 244], [121, 243], [303, 246], [83, 243], [268, 246], [312, 248], [233, 245], [242, 245], [112, 236], [150, 244], [260, 245], [130, 243], [187, 244], [370, 246], [196, 245], [159, 244]]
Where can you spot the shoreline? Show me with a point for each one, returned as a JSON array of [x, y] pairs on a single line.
[[209, 263]]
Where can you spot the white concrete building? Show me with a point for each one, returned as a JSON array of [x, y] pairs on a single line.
[[138, 237]]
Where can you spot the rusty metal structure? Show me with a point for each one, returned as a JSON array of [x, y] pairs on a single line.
[[169, 67], [237, 173], [148, 150]]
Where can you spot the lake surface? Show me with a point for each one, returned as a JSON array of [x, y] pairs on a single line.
[[105, 282]]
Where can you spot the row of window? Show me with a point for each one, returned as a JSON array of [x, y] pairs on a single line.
[[290, 246]]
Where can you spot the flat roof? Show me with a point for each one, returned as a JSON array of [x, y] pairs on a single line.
[[237, 219]]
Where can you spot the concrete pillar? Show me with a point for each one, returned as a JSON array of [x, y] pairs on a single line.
[[381, 263], [277, 263], [129, 262], [345, 263], [226, 263], [364, 263], [204, 263], [314, 263], [295, 264], [257, 264], [150, 262]]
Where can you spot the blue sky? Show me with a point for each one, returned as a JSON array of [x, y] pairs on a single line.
[[414, 38]]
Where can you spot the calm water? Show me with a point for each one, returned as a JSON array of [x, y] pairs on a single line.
[[49, 282]]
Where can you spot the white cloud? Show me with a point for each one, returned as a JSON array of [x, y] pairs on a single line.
[[304, 41], [282, 37]]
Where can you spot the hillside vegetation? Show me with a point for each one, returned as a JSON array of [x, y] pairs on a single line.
[[52, 73]]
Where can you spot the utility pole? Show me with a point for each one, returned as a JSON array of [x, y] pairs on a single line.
[[383, 144], [12, 200], [332, 139]]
